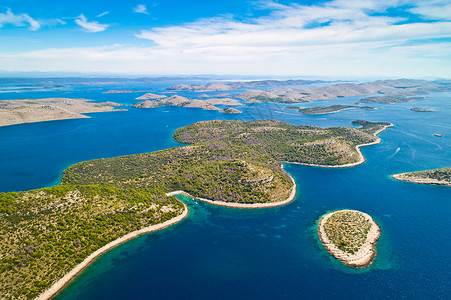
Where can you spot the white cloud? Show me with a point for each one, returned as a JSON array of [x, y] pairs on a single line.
[[102, 14], [19, 20], [347, 22], [52, 22], [140, 8], [352, 59], [433, 9], [92, 26], [337, 38]]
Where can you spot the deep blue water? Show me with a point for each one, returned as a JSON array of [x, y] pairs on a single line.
[[226, 253]]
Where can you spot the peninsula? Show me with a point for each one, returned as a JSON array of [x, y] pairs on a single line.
[[48, 232], [350, 236], [20, 111], [320, 110], [436, 177]]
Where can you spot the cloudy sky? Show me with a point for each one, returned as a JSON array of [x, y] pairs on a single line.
[[388, 38]]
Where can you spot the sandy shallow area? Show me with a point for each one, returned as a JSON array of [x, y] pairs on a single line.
[[63, 282], [367, 252]]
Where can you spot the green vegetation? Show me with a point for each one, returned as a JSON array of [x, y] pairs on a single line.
[[317, 110], [390, 99], [439, 174], [347, 229], [421, 109], [436, 176], [370, 127], [46, 232]]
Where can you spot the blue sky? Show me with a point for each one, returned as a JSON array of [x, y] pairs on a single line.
[[386, 38]]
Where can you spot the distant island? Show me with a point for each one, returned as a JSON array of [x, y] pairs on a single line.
[[421, 109], [20, 111], [231, 110], [221, 86], [396, 90], [436, 177], [119, 92], [319, 110], [175, 100], [390, 99], [49, 235], [222, 95], [350, 236], [149, 96]]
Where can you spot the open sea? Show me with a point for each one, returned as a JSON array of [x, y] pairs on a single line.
[[226, 253]]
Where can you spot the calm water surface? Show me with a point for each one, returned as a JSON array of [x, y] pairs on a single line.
[[272, 253]]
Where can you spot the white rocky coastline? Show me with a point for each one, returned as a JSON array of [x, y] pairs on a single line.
[[366, 253]]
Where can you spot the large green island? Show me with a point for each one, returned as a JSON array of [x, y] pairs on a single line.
[[50, 235], [350, 236], [436, 177]]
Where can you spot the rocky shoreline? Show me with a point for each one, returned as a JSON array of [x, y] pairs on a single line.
[[364, 256], [357, 148], [420, 180]]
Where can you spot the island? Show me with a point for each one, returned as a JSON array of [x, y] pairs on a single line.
[[440, 176], [222, 95], [227, 86], [390, 91], [390, 99], [149, 96], [319, 110], [119, 92], [231, 110], [20, 111], [421, 109], [350, 236], [50, 235], [176, 100]]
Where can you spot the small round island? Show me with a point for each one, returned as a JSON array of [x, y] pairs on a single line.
[[350, 236]]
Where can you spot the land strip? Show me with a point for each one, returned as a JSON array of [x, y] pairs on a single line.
[[320, 110], [440, 176], [20, 111]]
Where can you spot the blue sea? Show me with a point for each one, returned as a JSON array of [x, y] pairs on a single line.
[[225, 253]]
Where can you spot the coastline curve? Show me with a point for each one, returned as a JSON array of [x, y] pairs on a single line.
[[290, 198], [58, 286], [357, 148]]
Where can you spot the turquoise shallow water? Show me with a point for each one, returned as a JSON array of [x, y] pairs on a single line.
[[272, 253]]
